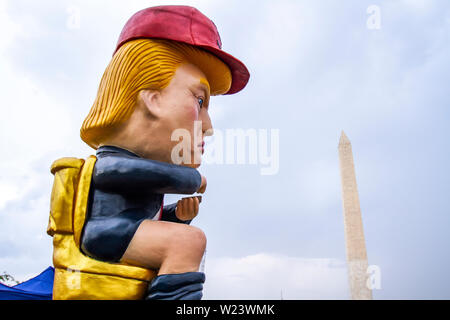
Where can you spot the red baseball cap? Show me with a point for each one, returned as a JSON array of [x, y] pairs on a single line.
[[184, 24]]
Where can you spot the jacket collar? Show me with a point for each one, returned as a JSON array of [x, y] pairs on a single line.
[[103, 150]]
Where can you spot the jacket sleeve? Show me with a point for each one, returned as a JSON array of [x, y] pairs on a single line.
[[168, 214], [129, 175]]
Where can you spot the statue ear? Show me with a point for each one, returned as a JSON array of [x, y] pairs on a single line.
[[150, 100]]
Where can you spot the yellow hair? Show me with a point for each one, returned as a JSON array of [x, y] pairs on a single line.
[[145, 64]]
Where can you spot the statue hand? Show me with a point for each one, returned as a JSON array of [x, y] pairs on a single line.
[[187, 208]]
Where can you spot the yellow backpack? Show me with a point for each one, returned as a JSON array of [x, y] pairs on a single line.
[[78, 276]]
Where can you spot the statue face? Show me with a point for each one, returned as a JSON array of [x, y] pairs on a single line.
[[180, 109]]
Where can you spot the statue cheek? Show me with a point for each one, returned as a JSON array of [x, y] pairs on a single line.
[[193, 114]]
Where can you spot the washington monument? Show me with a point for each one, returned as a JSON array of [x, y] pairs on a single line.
[[354, 235]]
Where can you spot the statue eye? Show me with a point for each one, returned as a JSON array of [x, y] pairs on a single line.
[[200, 102]]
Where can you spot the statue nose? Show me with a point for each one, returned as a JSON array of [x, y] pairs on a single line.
[[208, 132]]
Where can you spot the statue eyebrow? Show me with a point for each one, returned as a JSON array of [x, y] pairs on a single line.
[[204, 85]]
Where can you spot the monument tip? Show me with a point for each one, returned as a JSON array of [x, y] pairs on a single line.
[[344, 139]]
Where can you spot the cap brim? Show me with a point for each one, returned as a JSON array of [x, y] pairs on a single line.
[[239, 72]]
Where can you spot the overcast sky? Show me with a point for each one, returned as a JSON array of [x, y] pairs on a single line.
[[317, 68]]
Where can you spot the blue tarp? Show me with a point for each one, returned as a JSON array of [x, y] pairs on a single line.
[[37, 288]]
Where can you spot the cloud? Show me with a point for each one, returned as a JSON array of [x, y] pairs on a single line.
[[274, 276], [6, 23], [33, 127]]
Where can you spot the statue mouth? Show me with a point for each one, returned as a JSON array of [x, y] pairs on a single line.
[[202, 146]]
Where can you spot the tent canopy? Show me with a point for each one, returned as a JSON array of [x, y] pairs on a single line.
[[37, 288]]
